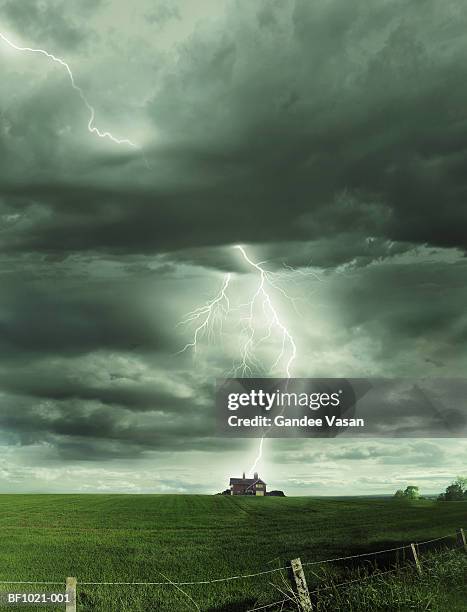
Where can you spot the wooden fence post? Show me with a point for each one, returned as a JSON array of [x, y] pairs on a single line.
[[461, 539], [416, 559], [297, 578], [71, 591]]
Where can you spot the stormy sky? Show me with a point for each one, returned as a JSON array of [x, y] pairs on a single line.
[[328, 137]]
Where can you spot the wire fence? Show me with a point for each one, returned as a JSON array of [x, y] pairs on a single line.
[[316, 591], [360, 579], [274, 570], [246, 576], [242, 576], [30, 582]]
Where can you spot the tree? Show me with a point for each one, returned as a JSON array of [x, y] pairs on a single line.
[[462, 482], [456, 491], [411, 492]]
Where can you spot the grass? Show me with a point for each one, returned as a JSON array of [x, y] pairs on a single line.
[[441, 586], [148, 538]]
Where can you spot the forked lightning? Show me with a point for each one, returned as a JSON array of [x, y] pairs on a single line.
[[206, 317], [217, 309], [262, 296]]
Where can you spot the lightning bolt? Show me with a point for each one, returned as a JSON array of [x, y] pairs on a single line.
[[259, 455], [262, 295], [91, 127], [218, 308], [206, 317]]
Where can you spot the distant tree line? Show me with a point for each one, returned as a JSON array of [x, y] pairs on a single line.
[[456, 491]]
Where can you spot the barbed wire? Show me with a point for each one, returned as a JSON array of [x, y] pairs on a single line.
[[29, 582], [271, 571], [360, 579], [326, 588], [377, 552], [366, 554], [450, 535], [212, 581]]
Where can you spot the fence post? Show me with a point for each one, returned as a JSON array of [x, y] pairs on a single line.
[[461, 539], [297, 578], [71, 591], [416, 559]]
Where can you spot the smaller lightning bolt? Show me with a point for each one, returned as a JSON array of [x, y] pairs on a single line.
[[91, 127], [206, 316]]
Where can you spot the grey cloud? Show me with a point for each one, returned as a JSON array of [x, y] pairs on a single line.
[[163, 13], [357, 100], [89, 431], [46, 22], [388, 452], [72, 318]]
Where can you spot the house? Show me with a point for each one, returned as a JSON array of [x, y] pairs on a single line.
[[247, 486]]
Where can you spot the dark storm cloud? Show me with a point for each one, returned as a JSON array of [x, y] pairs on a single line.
[[340, 119], [393, 319], [77, 318], [89, 430], [88, 364], [130, 393], [46, 22], [92, 422], [379, 118], [403, 304], [324, 132]]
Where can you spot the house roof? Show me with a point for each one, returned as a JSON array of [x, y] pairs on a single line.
[[246, 481]]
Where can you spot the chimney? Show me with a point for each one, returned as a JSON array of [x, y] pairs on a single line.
[[255, 476], [243, 476]]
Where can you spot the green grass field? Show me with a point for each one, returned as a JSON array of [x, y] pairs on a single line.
[[151, 538]]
